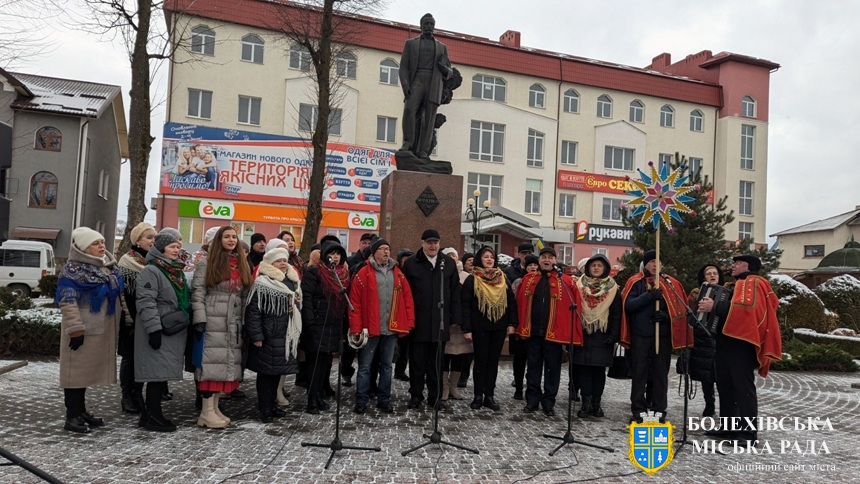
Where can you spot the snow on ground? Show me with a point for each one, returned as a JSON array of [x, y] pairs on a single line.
[[828, 336], [845, 282]]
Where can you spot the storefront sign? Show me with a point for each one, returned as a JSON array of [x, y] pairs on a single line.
[[242, 165], [216, 209], [249, 212], [603, 234], [368, 221], [592, 182]]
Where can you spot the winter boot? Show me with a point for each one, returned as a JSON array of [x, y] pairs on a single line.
[[585, 409], [446, 386], [208, 417], [596, 411], [280, 398], [217, 398], [452, 381]]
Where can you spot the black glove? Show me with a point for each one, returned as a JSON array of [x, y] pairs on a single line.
[[200, 327], [155, 340], [76, 342], [655, 294], [660, 317]]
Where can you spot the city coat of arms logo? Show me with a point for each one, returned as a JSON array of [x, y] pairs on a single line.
[[651, 444]]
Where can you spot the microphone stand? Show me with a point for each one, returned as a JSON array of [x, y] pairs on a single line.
[[567, 438], [436, 436], [336, 443], [686, 374]]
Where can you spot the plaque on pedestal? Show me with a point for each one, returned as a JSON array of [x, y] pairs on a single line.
[[413, 202]]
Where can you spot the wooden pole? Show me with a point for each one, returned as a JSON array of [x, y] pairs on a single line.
[[657, 286]]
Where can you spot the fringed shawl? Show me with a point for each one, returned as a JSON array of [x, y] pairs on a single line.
[[276, 298], [82, 281]]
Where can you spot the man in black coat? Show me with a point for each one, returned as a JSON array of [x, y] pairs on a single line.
[[433, 278], [516, 346]]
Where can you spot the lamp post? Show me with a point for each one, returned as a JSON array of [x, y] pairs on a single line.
[[474, 215]]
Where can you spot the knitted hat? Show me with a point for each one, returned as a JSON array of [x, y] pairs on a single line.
[[450, 250], [256, 238], [171, 231], [582, 263], [377, 244], [274, 244], [164, 239], [83, 237], [531, 259], [210, 234], [649, 256], [276, 254], [138, 231]]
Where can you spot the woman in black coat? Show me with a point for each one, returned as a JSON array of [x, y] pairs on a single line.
[[601, 320], [324, 310], [704, 346], [273, 325], [488, 315]]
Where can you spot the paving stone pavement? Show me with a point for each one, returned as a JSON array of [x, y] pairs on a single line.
[[511, 443]]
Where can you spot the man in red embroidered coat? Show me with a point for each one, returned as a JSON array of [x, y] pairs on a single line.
[[546, 324], [383, 306], [748, 339], [639, 332]]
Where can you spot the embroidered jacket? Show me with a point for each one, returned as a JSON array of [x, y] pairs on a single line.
[[559, 324]]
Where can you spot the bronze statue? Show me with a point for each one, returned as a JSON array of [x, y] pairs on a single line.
[[427, 79]]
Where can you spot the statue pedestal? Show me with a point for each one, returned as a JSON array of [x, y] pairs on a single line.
[[413, 202]]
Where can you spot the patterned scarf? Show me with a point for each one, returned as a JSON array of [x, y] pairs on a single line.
[[491, 292], [81, 282], [598, 294], [331, 286], [275, 297], [173, 271], [130, 266]]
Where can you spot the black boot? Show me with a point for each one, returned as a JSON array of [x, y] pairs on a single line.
[[126, 380], [585, 410], [477, 402], [596, 411], [518, 392], [156, 421], [77, 424]]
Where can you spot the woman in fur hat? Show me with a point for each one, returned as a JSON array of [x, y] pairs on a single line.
[[273, 325], [89, 295]]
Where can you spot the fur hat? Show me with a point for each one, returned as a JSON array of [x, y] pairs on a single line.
[[274, 244], [164, 239], [276, 254], [753, 261], [648, 256], [210, 234], [83, 237], [139, 230]]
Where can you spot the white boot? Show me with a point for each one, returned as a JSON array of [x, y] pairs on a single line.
[[220, 415], [208, 417], [280, 398]]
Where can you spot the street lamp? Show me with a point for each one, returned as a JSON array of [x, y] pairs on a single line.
[[474, 215]]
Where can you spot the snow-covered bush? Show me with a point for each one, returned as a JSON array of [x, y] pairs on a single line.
[[842, 296], [799, 307]]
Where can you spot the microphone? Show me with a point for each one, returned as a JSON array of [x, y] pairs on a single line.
[[557, 269], [330, 262]]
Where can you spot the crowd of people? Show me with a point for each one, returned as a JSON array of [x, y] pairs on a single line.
[[227, 308]]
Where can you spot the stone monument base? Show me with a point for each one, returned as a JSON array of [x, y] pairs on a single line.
[[413, 202]]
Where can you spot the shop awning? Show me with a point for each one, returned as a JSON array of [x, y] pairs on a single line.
[[34, 233]]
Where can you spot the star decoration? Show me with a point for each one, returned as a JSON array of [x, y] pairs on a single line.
[[660, 196]]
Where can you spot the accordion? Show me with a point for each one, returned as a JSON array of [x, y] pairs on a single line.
[[722, 296]]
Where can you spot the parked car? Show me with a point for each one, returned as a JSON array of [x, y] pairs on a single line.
[[23, 263]]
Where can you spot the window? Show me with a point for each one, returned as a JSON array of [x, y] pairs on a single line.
[[566, 205], [533, 189], [667, 116], [565, 254], [43, 190], [199, 104], [48, 138], [100, 226], [697, 121], [341, 234], [491, 240], [244, 229], [489, 185], [612, 209], [571, 101], [745, 198], [252, 48], [535, 149], [296, 230], [568, 152], [20, 258], [664, 158], [488, 87], [308, 115], [346, 65], [104, 184], [615, 158], [745, 230], [747, 146], [813, 251], [748, 107], [385, 129], [300, 57], [695, 165], [487, 142], [537, 96], [604, 106], [389, 72], [637, 111], [598, 251], [203, 40], [249, 110]]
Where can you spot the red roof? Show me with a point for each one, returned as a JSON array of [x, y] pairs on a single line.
[[465, 49]]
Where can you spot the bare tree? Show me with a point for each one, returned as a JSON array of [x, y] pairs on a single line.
[[22, 37], [324, 30]]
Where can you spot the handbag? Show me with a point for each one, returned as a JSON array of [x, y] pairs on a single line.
[[620, 369], [174, 322]]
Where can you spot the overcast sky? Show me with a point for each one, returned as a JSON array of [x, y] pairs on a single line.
[[814, 105]]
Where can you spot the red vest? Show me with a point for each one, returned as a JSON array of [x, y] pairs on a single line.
[[559, 326]]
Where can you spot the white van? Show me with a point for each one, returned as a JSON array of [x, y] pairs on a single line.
[[23, 263]]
